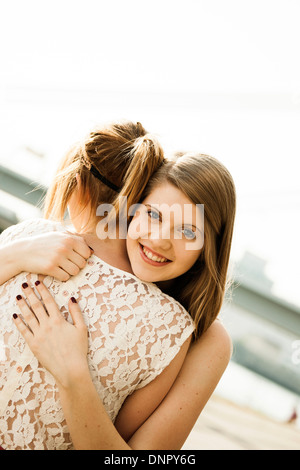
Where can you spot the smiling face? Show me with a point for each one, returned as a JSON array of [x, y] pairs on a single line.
[[165, 236]]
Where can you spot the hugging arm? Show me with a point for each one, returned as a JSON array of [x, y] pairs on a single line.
[[56, 254], [158, 416], [171, 423]]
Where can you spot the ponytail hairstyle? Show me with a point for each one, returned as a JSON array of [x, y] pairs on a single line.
[[204, 180], [124, 155]]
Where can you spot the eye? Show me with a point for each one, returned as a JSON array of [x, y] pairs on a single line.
[[153, 214], [189, 233]]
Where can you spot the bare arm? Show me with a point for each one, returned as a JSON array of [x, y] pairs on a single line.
[[89, 424], [171, 422], [203, 368], [9, 261], [56, 254], [147, 416]]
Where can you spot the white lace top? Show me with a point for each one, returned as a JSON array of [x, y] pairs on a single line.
[[135, 331]]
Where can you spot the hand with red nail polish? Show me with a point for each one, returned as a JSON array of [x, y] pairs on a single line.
[[60, 346]]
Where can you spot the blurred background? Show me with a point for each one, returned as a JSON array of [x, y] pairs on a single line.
[[221, 78]]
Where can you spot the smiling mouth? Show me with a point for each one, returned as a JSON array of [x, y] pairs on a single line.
[[152, 257]]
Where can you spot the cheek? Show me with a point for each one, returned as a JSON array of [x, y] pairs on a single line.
[[138, 227], [130, 232], [185, 259], [130, 243]]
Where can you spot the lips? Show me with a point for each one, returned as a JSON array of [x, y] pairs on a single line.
[[152, 257]]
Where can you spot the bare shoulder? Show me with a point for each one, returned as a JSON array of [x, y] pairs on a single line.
[[217, 341], [218, 334]]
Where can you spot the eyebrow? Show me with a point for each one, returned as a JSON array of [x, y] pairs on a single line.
[[183, 225]]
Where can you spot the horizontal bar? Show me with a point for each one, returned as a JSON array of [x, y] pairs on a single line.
[[21, 187]]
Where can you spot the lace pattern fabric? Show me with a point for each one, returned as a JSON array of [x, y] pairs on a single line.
[[135, 331]]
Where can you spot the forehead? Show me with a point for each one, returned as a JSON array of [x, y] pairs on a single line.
[[167, 193]]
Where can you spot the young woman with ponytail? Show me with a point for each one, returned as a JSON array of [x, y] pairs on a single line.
[[138, 337], [123, 155]]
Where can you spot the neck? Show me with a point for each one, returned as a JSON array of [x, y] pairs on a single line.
[[112, 250]]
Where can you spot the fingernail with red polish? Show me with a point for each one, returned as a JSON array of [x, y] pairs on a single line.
[[74, 300], [19, 297], [37, 283], [25, 285], [15, 316]]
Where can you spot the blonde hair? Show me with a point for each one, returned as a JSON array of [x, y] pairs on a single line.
[[204, 180], [124, 153]]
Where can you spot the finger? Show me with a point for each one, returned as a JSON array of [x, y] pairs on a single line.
[[48, 300], [69, 267], [35, 303], [60, 274], [83, 249], [23, 329], [80, 246], [77, 259], [76, 313], [28, 315]]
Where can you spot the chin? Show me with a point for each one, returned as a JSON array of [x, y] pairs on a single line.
[[144, 275]]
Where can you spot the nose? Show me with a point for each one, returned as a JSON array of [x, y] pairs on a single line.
[[160, 237]]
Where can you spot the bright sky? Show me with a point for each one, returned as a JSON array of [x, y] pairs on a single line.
[[159, 46]]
